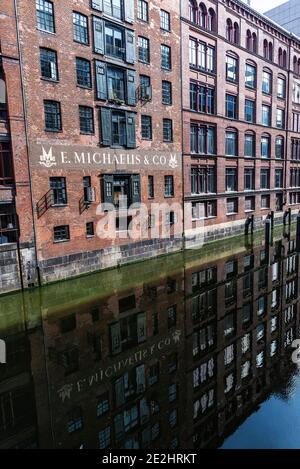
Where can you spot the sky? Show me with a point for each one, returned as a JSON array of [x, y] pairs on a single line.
[[265, 5]]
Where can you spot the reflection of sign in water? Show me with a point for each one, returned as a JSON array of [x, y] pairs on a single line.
[[2, 351], [65, 392]]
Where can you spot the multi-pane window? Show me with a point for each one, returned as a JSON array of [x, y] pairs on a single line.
[[104, 438], [249, 204], [146, 124], [265, 202], [231, 143], [267, 82], [83, 71], [114, 41], [231, 106], [110, 7], [167, 130], [45, 15], [90, 229], [202, 98], [6, 168], [165, 57], [165, 20], [80, 28], [231, 180], [116, 83], [250, 76], [75, 421], [278, 178], [265, 147], [203, 139], [249, 179], [150, 187], [281, 88], [280, 118], [144, 49], [102, 405], [296, 122], [295, 149], [52, 116], [86, 120], [166, 92], [249, 147], [232, 206], [143, 10], [145, 88], [118, 128], [231, 68], [249, 110], [59, 190], [48, 59], [203, 179], [169, 186], [201, 56], [265, 178], [61, 233], [266, 115], [279, 147], [295, 177]]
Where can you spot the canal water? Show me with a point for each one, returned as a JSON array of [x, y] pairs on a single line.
[[191, 350]]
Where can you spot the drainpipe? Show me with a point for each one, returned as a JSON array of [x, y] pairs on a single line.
[[27, 140], [182, 135], [287, 124]]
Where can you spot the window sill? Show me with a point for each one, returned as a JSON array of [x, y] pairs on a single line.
[[49, 80], [81, 43], [59, 205], [169, 196], [249, 211], [231, 214], [90, 236], [89, 88], [53, 131], [61, 241], [45, 31]]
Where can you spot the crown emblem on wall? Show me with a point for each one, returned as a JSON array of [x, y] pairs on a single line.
[[47, 158]]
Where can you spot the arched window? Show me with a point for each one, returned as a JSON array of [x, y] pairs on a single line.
[[236, 33], [202, 15], [249, 40], [254, 43], [266, 49], [229, 30], [280, 57], [270, 51], [211, 20], [295, 64], [193, 11], [284, 61], [279, 147]]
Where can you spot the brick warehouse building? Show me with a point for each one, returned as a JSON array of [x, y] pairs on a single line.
[[97, 82]]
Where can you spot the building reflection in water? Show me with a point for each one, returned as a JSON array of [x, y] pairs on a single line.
[[153, 356]]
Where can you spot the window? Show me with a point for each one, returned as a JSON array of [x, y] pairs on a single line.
[[146, 127], [279, 147], [267, 82], [61, 233], [296, 122], [173, 418], [165, 20], [165, 57], [249, 147], [68, 324], [115, 44], [265, 178], [110, 7], [249, 179], [172, 317], [90, 230], [266, 115], [278, 178], [201, 56], [118, 128], [150, 187], [167, 130], [104, 438], [281, 88], [6, 167], [48, 59], [203, 139], [116, 84], [231, 106], [232, 206], [295, 150], [231, 179], [52, 116], [80, 28], [265, 147], [202, 98], [143, 10], [249, 110], [280, 119], [251, 42], [169, 186], [83, 71], [172, 392], [249, 204], [75, 421], [231, 68], [203, 179], [231, 146], [86, 120], [145, 88], [102, 404], [144, 49], [59, 190], [250, 76], [193, 11], [166, 92], [296, 92], [229, 354], [232, 32], [45, 16]]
